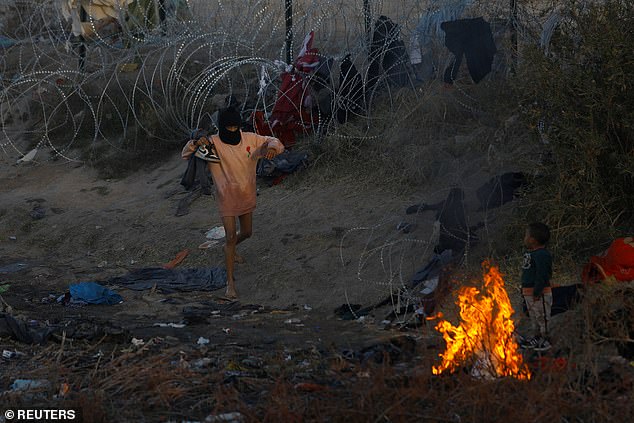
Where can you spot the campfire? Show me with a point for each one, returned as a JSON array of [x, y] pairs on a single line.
[[484, 338]]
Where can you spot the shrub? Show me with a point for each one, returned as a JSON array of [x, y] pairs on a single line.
[[579, 98]]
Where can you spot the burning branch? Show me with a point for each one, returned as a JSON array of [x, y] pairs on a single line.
[[485, 332]]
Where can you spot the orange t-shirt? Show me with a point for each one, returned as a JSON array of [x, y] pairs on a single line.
[[234, 176]]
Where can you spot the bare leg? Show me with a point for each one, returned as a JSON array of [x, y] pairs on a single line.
[[246, 229], [231, 238]]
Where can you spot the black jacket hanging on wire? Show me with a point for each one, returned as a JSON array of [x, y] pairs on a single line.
[[473, 39]]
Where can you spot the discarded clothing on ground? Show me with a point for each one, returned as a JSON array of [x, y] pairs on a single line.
[[455, 234], [473, 39], [173, 280], [425, 282], [500, 189], [93, 293], [28, 333], [617, 261], [286, 162], [432, 269]]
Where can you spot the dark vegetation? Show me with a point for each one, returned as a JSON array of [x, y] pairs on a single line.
[[579, 101]]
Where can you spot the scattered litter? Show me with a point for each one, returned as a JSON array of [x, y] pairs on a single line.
[[177, 260], [93, 293], [64, 389], [208, 244], [28, 156], [234, 417], [202, 341], [307, 307], [202, 362], [68, 301], [137, 342], [6, 354], [13, 238], [50, 299], [292, 321], [170, 325], [28, 384], [226, 330], [216, 233]]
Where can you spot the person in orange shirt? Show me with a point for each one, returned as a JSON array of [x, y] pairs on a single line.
[[234, 178]]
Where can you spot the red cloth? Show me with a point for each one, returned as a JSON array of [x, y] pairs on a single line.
[[290, 115], [289, 99], [617, 261]]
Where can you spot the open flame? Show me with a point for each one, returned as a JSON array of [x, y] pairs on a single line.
[[485, 334]]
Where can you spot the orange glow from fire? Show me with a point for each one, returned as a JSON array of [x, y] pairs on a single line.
[[485, 333]]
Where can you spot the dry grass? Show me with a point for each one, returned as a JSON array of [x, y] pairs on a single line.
[[426, 137], [158, 387]]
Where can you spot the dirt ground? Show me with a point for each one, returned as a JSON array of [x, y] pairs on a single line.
[[312, 251], [317, 244]]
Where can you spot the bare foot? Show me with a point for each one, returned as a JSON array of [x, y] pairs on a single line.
[[238, 259]]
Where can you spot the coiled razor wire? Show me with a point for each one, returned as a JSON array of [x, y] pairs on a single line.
[[61, 93], [159, 64]]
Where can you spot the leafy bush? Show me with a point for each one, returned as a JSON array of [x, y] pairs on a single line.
[[579, 98]]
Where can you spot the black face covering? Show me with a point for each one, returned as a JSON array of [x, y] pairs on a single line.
[[229, 117]]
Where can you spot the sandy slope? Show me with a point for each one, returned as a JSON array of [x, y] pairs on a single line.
[[313, 243]]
